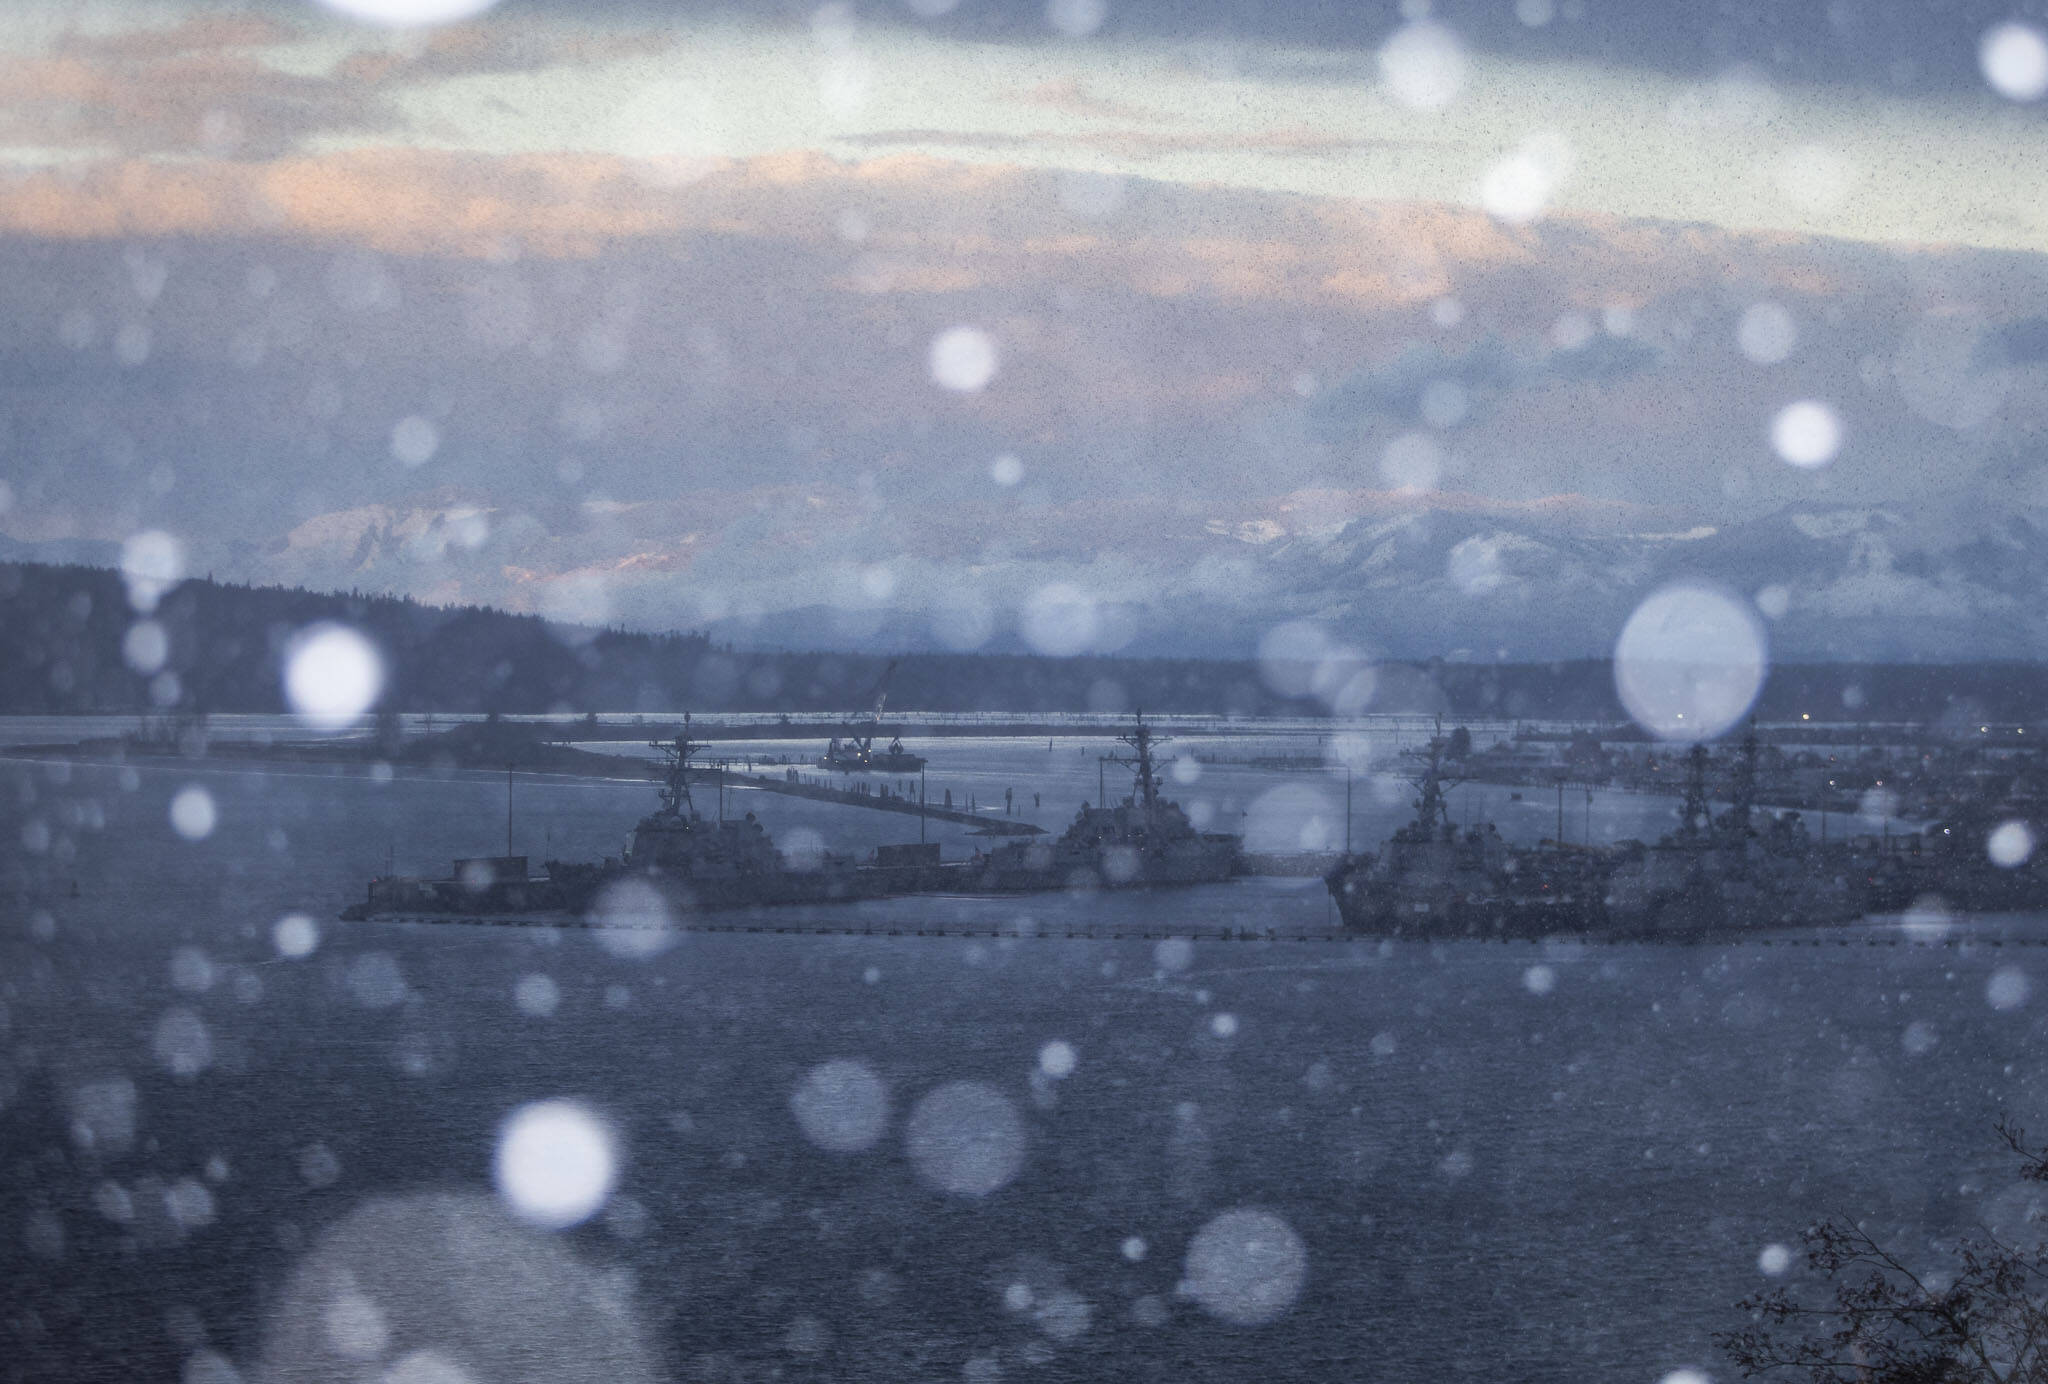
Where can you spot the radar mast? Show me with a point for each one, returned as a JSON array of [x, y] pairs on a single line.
[[1141, 740], [1432, 803], [1697, 806], [675, 778]]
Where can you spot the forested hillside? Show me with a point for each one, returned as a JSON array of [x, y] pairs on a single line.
[[62, 630]]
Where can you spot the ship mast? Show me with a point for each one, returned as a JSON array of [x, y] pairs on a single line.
[[675, 779], [1696, 805], [1141, 740], [1432, 806], [1744, 792]]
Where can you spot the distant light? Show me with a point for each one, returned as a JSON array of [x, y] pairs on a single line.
[[295, 936], [2010, 845], [146, 646], [152, 562], [966, 1138], [193, 814], [1766, 333], [1246, 1267], [375, 980], [1806, 434], [963, 359], [406, 14], [1290, 654], [1571, 331], [841, 1106], [182, 1043], [1520, 187], [2008, 988], [877, 582], [414, 440], [2015, 61], [537, 995], [1412, 463], [191, 971], [1060, 620], [1423, 66], [332, 675], [1804, 717], [1690, 662], [556, 1163], [633, 920]]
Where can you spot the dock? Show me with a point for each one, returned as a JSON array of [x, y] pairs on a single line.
[[794, 785]]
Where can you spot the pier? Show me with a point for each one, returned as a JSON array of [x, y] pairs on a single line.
[[795, 785]]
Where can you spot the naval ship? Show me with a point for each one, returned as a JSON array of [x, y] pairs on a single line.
[[689, 864], [855, 752], [1970, 861], [1735, 872], [1713, 876], [1434, 879], [1144, 841], [692, 865]]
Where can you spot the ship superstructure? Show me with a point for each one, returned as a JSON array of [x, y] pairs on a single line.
[[855, 753], [1711, 875], [1433, 878], [675, 855], [1144, 840]]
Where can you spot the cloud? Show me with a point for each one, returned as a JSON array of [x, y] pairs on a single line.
[[174, 93], [2019, 343], [1400, 390], [1069, 96], [499, 44], [217, 84], [727, 383], [1139, 145]]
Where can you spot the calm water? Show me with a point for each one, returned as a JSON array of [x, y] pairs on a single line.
[[1499, 1162]]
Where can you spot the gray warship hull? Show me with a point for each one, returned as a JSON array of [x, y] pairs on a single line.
[[608, 893], [678, 865], [1041, 867], [1713, 878]]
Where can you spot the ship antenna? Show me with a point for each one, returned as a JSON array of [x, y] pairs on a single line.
[[1696, 807], [675, 786], [1141, 739], [1745, 781], [1432, 808]]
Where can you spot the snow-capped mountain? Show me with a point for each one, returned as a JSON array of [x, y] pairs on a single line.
[[1848, 583]]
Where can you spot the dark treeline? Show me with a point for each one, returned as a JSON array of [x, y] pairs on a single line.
[[62, 630]]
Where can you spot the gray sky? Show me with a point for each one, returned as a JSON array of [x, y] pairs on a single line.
[[601, 311]]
